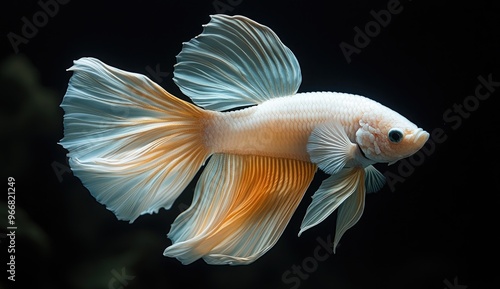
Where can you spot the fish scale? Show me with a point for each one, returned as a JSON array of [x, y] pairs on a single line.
[[281, 127]]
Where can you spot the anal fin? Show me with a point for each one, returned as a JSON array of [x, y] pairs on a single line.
[[241, 207]]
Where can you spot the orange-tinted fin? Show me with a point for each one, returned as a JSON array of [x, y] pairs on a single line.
[[131, 143], [241, 207]]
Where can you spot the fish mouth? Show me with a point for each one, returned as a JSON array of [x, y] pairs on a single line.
[[420, 136]]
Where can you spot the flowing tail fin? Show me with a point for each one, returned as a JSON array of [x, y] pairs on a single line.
[[131, 143]]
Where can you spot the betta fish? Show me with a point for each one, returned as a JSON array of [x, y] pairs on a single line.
[[136, 147]]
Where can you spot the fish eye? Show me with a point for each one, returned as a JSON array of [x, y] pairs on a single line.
[[395, 135]]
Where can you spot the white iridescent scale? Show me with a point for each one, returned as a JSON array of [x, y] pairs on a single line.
[[281, 127]]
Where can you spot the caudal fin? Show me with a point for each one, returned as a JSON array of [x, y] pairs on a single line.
[[132, 144]]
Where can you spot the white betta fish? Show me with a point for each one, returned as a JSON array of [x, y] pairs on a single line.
[[136, 147]]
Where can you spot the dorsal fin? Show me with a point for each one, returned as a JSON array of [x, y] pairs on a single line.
[[235, 62]]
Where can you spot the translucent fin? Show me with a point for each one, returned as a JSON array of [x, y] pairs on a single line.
[[374, 180], [330, 195], [330, 148], [235, 62], [351, 210], [131, 143], [241, 207]]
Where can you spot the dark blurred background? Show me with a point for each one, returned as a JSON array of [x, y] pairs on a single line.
[[428, 229]]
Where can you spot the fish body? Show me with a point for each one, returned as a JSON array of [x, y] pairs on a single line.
[[277, 128], [136, 147], [281, 127]]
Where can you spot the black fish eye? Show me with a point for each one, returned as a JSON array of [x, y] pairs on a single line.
[[395, 135]]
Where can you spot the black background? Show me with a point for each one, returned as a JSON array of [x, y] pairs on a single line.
[[431, 231]]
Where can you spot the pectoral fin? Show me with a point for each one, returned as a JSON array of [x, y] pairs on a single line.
[[330, 148], [241, 207]]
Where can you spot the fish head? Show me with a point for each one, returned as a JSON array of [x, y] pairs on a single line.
[[385, 136]]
